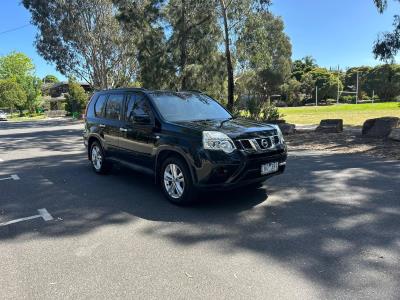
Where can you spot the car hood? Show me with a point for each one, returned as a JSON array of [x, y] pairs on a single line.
[[235, 128]]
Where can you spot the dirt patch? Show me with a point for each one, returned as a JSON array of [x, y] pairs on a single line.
[[349, 141]]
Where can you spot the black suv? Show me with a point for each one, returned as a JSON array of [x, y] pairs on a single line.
[[186, 140]]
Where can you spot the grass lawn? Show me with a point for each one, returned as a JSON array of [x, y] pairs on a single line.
[[21, 119], [352, 114]]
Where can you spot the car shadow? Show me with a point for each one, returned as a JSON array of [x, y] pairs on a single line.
[[322, 217]]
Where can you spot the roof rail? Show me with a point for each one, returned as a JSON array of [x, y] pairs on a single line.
[[192, 90], [123, 88]]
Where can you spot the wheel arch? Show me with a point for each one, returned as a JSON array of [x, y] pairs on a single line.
[[91, 140], [163, 154]]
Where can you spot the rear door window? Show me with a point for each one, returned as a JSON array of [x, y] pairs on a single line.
[[100, 105], [114, 106]]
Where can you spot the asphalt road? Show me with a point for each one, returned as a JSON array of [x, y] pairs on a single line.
[[328, 228]]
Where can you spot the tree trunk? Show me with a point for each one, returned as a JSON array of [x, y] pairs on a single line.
[[183, 47], [229, 67]]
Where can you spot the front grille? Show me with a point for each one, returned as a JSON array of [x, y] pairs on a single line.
[[259, 144]]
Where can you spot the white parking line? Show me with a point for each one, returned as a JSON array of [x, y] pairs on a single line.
[[1, 160], [43, 213], [13, 177]]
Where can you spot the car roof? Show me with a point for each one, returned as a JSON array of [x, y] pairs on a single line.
[[146, 90]]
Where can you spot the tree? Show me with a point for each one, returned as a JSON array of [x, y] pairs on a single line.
[[143, 19], [12, 94], [388, 44], [32, 87], [303, 66], [15, 65], [385, 81], [326, 82], [19, 68], [76, 97], [264, 48], [232, 15], [84, 39], [50, 79], [194, 36], [350, 79], [177, 43], [291, 91], [307, 85]]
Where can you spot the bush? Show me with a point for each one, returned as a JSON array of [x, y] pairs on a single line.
[[261, 110], [270, 113], [76, 98]]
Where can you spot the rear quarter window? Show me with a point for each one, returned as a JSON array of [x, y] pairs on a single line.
[[100, 105]]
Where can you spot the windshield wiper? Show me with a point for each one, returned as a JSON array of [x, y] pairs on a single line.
[[224, 121]]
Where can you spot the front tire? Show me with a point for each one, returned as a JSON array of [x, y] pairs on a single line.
[[176, 181], [99, 163]]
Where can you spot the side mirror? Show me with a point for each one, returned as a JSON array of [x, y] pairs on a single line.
[[144, 120]]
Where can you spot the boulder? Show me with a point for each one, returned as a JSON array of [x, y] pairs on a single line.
[[330, 126], [287, 128], [395, 134], [380, 127]]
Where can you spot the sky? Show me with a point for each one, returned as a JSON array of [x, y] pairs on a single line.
[[334, 32]]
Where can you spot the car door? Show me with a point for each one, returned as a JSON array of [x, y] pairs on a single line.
[[113, 122], [138, 137]]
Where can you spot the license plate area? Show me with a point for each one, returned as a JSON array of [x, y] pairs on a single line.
[[269, 168]]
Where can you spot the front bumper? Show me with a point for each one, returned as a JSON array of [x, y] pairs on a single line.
[[240, 170]]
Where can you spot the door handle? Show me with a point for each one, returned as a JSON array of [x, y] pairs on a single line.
[[123, 129], [102, 125]]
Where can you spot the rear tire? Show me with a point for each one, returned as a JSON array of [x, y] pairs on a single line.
[[99, 163], [176, 181]]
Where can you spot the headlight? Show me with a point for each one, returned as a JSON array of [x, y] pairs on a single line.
[[279, 132], [215, 140]]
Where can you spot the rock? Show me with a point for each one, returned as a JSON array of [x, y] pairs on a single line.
[[395, 134], [330, 126], [287, 128], [380, 127]]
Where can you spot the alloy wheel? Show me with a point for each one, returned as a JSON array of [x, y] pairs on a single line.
[[174, 181], [97, 158]]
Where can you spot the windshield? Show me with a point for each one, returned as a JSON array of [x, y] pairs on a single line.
[[188, 107]]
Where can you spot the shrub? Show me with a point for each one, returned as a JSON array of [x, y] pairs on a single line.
[[76, 98], [261, 110]]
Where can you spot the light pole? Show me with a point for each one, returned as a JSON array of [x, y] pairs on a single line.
[[338, 87], [357, 87]]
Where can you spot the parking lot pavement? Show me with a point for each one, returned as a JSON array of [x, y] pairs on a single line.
[[328, 228]]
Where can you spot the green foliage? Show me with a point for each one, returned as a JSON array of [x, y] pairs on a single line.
[[264, 53], [385, 81], [15, 65], [12, 94], [84, 39], [327, 83], [387, 45], [76, 98], [50, 79], [18, 68], [32, 87], [257, 109], [194, 36], [177, 43], [303, 67], [292, 92], [307, 85]]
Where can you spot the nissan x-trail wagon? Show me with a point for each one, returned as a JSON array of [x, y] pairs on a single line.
[[186, 140]]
